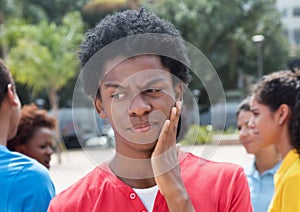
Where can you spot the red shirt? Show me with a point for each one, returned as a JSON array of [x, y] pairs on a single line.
[[212, 186]]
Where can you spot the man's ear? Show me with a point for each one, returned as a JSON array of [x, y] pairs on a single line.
[[282, 114], [12, 96], [178, 90], [99, 108]]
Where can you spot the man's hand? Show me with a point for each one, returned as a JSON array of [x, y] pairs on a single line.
[[166, 168]]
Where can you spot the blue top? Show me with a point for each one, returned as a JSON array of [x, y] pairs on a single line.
[[25, 184], [261, 187]]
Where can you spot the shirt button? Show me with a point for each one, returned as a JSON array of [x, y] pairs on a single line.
[[144, 211], [132, 195]]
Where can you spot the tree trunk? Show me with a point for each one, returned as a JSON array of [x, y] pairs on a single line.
[[53, 98]]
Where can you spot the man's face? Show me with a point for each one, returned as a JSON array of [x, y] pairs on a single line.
[[137, 96]]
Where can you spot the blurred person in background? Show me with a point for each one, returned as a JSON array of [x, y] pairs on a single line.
[[266, 161], [275, 105], [34, 137], [25, 184]]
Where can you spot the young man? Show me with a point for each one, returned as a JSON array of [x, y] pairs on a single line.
[[25, 184], [130, 66]]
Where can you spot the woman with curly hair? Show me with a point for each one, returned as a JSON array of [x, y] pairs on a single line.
[[275, 105], [34, 136]]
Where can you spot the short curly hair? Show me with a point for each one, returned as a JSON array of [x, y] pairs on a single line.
[[5, 79], [133, 23], [32, 118], [282, 87]]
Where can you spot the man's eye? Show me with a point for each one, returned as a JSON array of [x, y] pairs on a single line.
[[117, 95], [152, 90]]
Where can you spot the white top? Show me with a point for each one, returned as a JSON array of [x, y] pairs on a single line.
[[147, 195]]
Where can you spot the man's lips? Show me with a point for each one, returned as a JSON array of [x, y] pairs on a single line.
[[141, 127]]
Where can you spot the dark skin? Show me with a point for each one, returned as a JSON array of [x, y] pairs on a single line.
[[146, 153]]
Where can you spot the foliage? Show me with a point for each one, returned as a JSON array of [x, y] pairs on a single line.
[[35, 10], [20, 9], [229, 131], [223, 32], [204, 134], [15, 13], [197, 135], [43, 56]]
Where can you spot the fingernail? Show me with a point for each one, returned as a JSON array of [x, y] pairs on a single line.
[[179, 104], [174, 110]]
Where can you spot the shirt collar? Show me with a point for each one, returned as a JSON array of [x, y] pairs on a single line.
[[252, 169], [289, 159]]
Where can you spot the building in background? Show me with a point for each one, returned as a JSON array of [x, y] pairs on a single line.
[[290, 11]]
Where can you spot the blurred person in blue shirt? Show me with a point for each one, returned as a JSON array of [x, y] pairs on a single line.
[[266, 161], [25, 184]]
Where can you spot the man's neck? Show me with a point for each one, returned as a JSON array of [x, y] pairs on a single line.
[[139, 183], [130, 167], [137, 173]]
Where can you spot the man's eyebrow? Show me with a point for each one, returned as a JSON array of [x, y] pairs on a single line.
[[113, 85], [153, 81]]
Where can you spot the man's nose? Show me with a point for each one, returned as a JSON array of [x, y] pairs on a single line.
[[139, 106]]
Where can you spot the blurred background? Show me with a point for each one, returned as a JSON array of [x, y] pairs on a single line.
[[243, 39]]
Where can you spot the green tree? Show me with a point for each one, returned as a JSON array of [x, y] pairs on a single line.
[[33, 12], [19, 9], [44, 58], [223, 31], [54, 10]]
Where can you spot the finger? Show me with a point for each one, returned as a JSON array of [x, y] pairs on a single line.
[[162, 137], [164, 129], [178, 105], [176, 115], [174, 119]]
